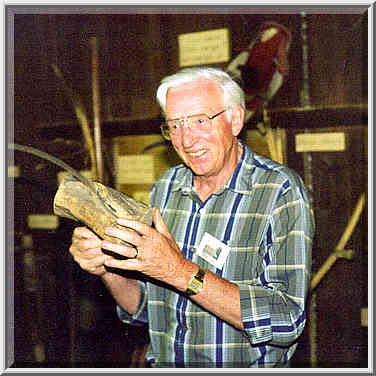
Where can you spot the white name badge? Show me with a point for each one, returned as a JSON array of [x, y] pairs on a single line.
[[213, 251]]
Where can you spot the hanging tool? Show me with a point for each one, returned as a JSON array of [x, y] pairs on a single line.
[[339, 251]]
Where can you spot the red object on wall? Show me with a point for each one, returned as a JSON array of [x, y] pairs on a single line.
[[261, 67]]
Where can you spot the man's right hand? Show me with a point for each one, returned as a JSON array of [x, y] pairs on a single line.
[[86, 251]]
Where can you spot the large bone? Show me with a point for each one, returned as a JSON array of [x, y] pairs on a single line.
[[74, 200]]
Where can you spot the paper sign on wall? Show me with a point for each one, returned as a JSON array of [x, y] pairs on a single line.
[[364, 316], [326, 141], [204, 47], [13, 171], [43, 221], [142, 196], [136, 169]]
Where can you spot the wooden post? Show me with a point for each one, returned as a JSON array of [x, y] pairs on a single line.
[[96, 108]]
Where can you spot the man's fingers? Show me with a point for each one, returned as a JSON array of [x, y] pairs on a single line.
[[128, 236], [121, 250], [83, 233], [93, 263], [142, 228], [160, 225], [87, 244], [130, 264], [86, 251]]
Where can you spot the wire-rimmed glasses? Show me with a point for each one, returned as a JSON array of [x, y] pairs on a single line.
[[200, 122]]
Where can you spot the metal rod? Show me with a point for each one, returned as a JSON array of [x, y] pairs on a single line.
[[56, 161], [96, 108]]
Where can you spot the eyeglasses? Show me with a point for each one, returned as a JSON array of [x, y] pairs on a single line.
[[199, 122]]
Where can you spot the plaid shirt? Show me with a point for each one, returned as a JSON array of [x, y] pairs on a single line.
[[264, 215]]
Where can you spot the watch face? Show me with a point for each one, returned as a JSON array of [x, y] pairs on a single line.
[[197, 283]]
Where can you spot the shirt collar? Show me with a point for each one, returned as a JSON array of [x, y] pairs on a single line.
[[239, 182], [241, 179], [183, 180]]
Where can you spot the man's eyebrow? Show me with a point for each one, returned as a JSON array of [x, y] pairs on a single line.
[[202, 112], [185, 116]]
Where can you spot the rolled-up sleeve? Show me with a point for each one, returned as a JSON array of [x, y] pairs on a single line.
[[140, 317], [273, 305]]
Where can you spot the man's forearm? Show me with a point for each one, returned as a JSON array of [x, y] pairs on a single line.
[[220, 297], [125, 291]]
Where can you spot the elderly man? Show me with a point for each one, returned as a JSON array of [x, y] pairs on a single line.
[[227, 263]]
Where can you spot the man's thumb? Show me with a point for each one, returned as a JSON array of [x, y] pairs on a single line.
[[159, 223]]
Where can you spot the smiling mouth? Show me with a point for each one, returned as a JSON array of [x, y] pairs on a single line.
[[197, 153]]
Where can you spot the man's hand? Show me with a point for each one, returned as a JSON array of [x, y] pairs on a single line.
[[156, 253], [86, 251]]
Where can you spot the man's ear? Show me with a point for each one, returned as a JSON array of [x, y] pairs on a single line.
[[237, 120]]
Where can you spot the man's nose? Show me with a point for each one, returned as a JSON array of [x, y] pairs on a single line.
[[187, 135]]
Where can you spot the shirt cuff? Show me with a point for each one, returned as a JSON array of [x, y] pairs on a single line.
[[255, 312], [140, 317]]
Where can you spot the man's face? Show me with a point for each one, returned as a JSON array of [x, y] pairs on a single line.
[[209, 154]]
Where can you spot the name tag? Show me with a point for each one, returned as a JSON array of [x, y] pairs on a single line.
[[213, 251]]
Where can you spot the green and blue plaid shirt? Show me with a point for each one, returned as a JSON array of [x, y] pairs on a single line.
[[265, 216]]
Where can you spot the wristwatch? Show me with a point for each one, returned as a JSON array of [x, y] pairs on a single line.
[[196, 283]]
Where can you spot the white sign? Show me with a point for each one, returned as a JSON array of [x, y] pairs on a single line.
[[327, 141], [142, 196], [43, 221], [204, 47], [136, 169], [13, 172]]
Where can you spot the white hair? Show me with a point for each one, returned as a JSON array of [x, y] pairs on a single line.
[[233, 94]]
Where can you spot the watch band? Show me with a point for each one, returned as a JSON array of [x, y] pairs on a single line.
[[196, 283]]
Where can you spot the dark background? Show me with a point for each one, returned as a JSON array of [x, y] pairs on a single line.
[[67, 312]]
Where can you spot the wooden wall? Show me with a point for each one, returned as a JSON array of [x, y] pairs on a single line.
[[136, 50], [137, 47]]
